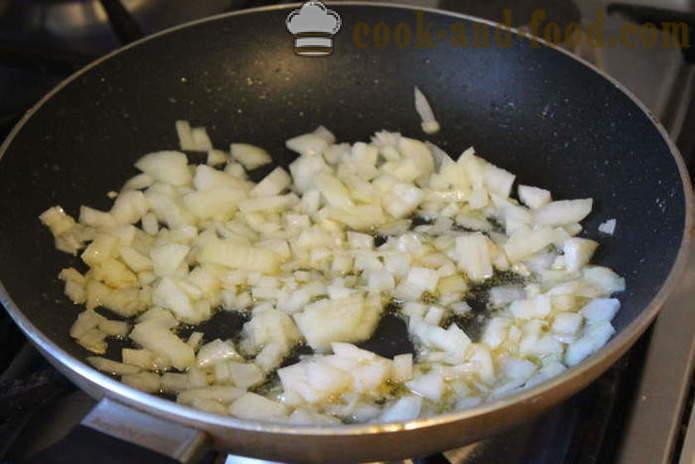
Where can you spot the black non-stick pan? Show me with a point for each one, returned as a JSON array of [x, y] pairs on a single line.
[[533, 110]]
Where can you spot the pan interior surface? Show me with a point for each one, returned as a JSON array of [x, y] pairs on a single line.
[[538, 113]]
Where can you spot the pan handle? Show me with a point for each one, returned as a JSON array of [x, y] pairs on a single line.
[[114, 433]]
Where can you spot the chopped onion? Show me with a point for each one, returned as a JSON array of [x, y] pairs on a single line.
[[524, 242], [608, 227], [430, 385], [217, 157], [403, 367], [183, 130], [424, 110], [604, 278], [148, 382], [166, 166], [406, 408], [144, 359], [313, 255], [245, 375], [349, 319], [164, 343], [578, 252], [249, 156], [566, 326], [498, 181], [114, 328], [201, 140], [595, 337], [563, 212], [253, 406], [273, 184], [308, 144], [216, 351], [222, 394], [112, 367], [473, 256], [174, 383], [600, 310], [534, 197]]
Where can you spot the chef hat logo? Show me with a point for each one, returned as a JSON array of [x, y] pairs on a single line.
[[313, 26]]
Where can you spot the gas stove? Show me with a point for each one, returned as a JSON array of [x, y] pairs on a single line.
[[639, 412]]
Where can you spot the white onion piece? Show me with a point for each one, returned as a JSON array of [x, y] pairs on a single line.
[[253, 406], [424, 110], [563, 212], [402, 200], [164, 343], [222, 394], [148, 382], [461, 308], [303, 416], [498, 181], [112, 367], [441, 159], [245, 375], [166, 166], [524, 242], [348, 319], [85, 322], [174, 383], [403, 367], [578, 252], [308, 144], [534, 197], [496, 331], [216, 351], [605, 279], [600, 310], [406, 408], [250, 156], [567, 325], [211, 406], [217, 157], [273, 184], [534, 308], [57, 221], [608, 227], [114, 328], [183, 130], [503, 295], [96, 218], [201, 140], [595, 337], [334, 191], [238, 256], [473, 256], [144, 359], [430, 385]]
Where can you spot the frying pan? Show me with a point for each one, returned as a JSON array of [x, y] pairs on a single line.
[[534, 110]]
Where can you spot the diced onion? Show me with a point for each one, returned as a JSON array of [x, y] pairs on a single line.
[[608, 227], [314, 255], [249, 156], [424, 110], [534, 197]]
